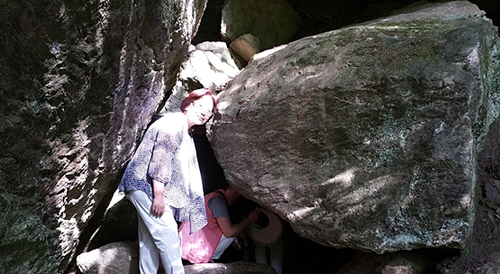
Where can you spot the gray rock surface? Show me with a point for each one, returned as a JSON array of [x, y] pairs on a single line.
[[480, 255], [403, 262], [367, 137], [123, 257], [113, 258], [80, 82], [229, 268]]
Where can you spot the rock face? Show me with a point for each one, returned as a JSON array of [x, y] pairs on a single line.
[[80, 81], [367, 137], [481, 254]]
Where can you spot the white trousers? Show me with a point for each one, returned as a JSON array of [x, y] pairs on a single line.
[[275, 256], [157, 238], [221, 246]]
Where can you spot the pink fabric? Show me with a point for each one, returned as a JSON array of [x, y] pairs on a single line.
[[200, 246]]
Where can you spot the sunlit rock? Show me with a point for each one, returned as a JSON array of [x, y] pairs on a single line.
[[246, 46], [367, 137], [209, 65]]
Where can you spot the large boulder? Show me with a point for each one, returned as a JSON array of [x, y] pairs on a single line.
[[367, 137], [324, 15], [80, 82]]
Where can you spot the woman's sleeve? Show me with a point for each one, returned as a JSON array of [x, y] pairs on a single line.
[[164, 148]]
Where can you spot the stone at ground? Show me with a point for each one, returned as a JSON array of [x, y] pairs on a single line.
[[229, 268], [113, 258]]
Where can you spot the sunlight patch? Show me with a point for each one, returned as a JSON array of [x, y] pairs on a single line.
[[345, 178]]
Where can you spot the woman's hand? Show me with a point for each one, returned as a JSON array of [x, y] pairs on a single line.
[[254, 216], [158, 207]]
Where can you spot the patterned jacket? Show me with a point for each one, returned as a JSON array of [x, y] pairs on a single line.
[[168, 155]]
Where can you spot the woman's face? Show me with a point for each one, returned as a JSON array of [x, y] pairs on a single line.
[[199, 111], [232, 194]]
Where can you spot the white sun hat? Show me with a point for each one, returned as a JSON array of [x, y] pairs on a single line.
[[267, 233]]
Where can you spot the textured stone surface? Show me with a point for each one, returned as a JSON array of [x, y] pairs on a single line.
[[274, 22], [80, 82], [403, 262], [113, 258], [367, 137], [123, 257], [230, 268]]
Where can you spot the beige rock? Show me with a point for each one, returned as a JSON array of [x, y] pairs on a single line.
[[245, 46], [208, 65]]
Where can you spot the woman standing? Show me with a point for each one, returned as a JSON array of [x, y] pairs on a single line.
[[163, 182]]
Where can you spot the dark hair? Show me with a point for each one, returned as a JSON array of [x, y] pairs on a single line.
[[197, 94]]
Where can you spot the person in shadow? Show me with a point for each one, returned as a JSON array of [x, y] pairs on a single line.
[[209, 243]]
